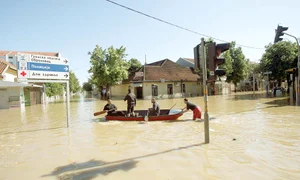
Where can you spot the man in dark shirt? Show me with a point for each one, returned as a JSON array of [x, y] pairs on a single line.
[[196, 109], [110, 108], [131, 102], [155, 110]]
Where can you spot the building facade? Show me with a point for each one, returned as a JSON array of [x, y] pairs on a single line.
[[161, 79], [12, 92]]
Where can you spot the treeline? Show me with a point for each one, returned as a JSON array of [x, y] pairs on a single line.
[[110, 66], [57, 89]]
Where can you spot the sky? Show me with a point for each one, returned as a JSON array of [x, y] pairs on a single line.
[[75, 27]]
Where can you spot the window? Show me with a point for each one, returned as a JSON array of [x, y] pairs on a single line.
[[154, 90], [183, 88], [10, 57], [170, 89]]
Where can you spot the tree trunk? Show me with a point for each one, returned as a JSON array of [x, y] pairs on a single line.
[[108, 91], [279, 82], [235, 87]]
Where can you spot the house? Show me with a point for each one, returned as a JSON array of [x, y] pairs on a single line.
[[8, 72], [12, 92], [217, 88], [161, 79]]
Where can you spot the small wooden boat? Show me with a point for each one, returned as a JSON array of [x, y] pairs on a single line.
[[140, 116]]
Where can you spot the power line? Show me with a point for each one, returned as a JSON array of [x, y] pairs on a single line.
[[180, 27]]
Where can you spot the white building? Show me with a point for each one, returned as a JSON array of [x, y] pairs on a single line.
[[12, 92]]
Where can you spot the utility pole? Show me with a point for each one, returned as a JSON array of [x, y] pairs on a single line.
[[297, 79], [204, 70]]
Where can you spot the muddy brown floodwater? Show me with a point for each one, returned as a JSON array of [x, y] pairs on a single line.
[[35, 143]]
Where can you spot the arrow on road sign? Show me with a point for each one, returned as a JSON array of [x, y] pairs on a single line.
[[66, 75], [66, 61]]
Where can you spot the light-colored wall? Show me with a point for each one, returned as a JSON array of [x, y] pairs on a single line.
[[191, 89], [120, 90], [13, 61], [10, 97], [10, 75]]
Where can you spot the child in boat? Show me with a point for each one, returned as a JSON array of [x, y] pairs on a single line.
[[195, 108], [155, 110]]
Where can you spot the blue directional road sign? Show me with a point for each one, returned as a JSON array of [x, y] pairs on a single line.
[[47, 67]]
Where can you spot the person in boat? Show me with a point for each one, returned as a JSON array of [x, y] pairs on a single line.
[[131, 102], [195, 108], [155, 110], [111, 109]]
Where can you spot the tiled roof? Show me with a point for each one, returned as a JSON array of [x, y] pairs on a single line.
[[4, 64], [165, 69], [3, 53]]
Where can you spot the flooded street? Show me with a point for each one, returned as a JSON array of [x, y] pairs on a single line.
[[35, 144]]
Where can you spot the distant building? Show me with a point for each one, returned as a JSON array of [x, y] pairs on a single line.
[[219, 87], [161, 79], [12, 92], [11, 56], [185, 62]]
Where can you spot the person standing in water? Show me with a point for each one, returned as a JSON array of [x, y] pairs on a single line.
[[195, 108]]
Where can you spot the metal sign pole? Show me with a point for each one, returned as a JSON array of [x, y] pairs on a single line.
[[68, 94], [206, 116], [68, 103]]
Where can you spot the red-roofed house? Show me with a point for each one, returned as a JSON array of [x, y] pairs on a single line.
[[8, 72], [161, 79]]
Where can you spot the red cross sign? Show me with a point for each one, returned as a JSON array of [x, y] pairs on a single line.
[[23, 73]]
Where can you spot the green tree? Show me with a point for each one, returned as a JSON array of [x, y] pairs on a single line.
[[54, 89], [278, 58], [239, 67], [108, 66], [74, 83], [134, 65], [252, 67], [87, 86]]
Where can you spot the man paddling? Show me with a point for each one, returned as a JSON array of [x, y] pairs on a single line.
[[110, 108], [196, 109]]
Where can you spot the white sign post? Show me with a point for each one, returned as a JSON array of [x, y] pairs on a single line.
[[45, 69]]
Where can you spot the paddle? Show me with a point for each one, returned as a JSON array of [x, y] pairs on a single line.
[[172, 106], [99, 113]]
